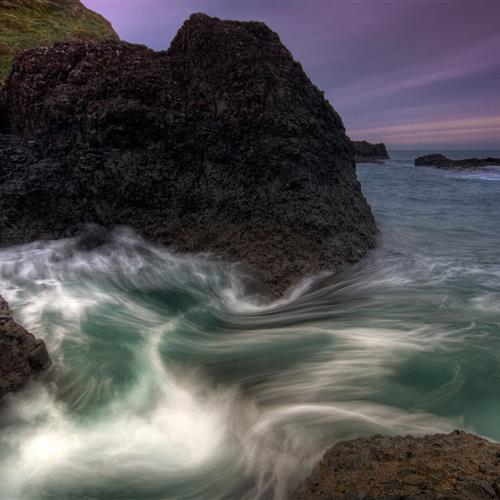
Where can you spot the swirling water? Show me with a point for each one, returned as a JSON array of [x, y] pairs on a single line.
[[170, 383]]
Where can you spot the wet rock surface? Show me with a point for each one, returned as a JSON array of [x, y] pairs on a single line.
[[366, 152], [21, 355], [441, 466], [441, 161], [220, 144]]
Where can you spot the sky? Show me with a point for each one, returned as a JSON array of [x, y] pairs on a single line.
[[415, 74]]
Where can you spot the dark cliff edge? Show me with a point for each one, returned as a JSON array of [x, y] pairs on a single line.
[[221, 144], [366, 152], [441, 161], [21, 355], [456, 466]]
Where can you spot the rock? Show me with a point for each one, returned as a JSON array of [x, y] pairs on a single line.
[[365, 152], [452, 474], [482, 489], [220, 144], [26, 24], [441, 161], [21, 355]]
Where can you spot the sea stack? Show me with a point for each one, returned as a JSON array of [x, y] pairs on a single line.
[[366, 152], [221, 144], [21, 355], [441, 161]]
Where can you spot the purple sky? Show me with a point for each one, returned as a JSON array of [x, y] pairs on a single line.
[[414, 74]]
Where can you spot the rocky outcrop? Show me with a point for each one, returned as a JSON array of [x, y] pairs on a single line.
[[21, 355], [456, 466], [220, 144], [26, 24], [365, 152], [441, 161]]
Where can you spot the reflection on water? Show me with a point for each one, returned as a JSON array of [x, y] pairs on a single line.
[[170, 382]]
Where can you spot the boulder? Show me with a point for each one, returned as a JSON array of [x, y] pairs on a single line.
[[22, 356], [440, 466], [221, 144]]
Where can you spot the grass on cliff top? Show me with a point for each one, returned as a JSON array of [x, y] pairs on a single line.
[[27, 24]]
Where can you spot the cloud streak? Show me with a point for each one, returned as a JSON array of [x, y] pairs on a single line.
[[482, 129]]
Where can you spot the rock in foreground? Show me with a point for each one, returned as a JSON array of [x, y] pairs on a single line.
[[21, 355], [366, 152], [221, 144], [456, 466], [441, 161]]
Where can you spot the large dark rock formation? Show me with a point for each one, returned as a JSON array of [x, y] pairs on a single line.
[[21, 355], [366, 152], [456, 466], [219, 144], [26, 24], [441, 161]]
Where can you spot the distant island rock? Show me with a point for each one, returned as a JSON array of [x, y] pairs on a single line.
[[366, 152], [456, 466], [21, 355], [27, 24], [221, 144], [441, 161]]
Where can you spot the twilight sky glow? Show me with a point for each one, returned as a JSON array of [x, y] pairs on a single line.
[[415, 74]]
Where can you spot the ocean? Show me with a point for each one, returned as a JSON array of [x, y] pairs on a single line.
[[170, 382]]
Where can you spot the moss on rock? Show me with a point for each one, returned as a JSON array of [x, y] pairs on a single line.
[[27, 24]]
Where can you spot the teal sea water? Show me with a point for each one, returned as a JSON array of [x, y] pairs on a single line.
[[170, 383]]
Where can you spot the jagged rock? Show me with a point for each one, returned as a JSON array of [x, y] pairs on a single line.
[[441, 161], [440, 466], [365, 152], [21, 355], [220, 144]]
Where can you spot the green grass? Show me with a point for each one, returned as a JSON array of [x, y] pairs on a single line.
[[26, 24]]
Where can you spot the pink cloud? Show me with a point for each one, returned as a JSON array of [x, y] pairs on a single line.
[[455, 131]]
